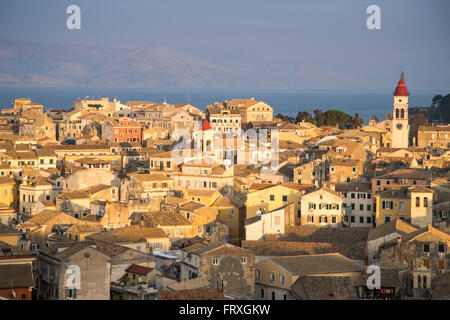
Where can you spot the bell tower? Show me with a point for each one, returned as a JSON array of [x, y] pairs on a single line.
[[400, 126]]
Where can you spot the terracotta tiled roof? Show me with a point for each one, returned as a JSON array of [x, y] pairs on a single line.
[[17, 275], [154, 219], [317, 264], [5, 229], [288, 248], [137, 269], [324, 288], [390, 227], [8, 251], [320, 234], [128, 234], [429, 232]]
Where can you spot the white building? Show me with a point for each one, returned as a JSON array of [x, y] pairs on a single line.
[[357, 203]]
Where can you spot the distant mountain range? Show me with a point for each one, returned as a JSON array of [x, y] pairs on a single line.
[[35, 64]]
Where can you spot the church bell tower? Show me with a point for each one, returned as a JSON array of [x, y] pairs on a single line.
[[400, 126]]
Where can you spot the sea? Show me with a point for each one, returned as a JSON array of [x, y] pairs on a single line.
[[284, 101]]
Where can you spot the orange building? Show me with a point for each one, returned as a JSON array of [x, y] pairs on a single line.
[[127, 130]]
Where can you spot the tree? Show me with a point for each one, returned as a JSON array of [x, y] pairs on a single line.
[[124, 281], [318, 117], [356, 122], [415, 121], [303, 116], [284, 117], [436, 101]]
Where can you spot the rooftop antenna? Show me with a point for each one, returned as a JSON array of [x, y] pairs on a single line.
[[402, 76]]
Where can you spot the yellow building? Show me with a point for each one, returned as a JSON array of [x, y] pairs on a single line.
[[251, 109], [268, 197], [203, 196], [228, 212], [392, 204], [80, 231], [414, 203], [8, 199], [9, 235]]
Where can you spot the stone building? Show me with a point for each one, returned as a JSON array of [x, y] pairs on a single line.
[[434, 136], [422, 255], [79, 272], [223, 265]]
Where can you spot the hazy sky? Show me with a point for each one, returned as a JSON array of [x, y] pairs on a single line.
[[326, 43]]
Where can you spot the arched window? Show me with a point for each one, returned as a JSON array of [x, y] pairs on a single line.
[[424, 282], [396, 113], [419, 281], [425, 202], [417, 202], [403, 113]]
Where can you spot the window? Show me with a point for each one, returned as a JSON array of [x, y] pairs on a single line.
[[401, 205], [272, 197], [332, 169], [282, 279], [378, 182], [387, 219], [426, 247], [273, 295], [243, 260], [369, 219], [361, 219], [262, 293], [369, 196], [441, 247], [388, 204], [272, 277], [215, 261], [333, 219], [285, 198], [258, 274], [417, 202], [368, 207], [353, 195], [361, 207], [310, 219], [353, 169], [352, 219], [72, 293], [425, 202]]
